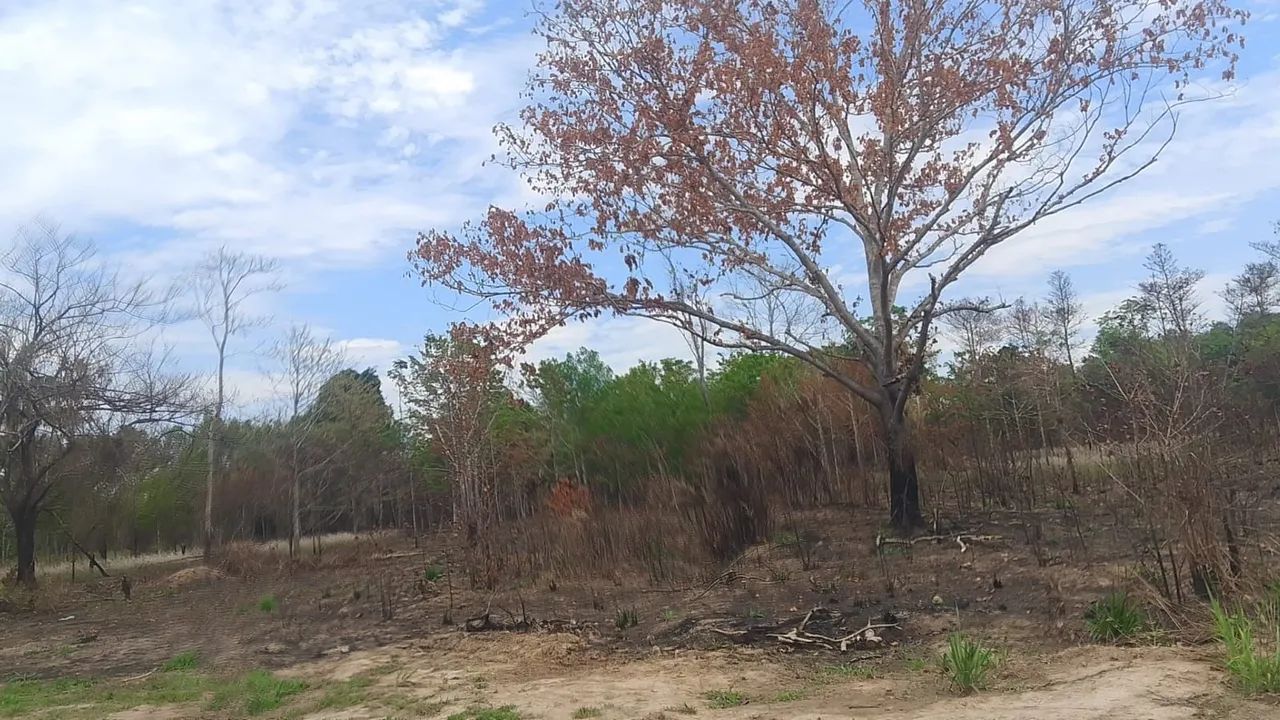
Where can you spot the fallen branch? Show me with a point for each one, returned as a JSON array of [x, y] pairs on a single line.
[[800, 636], [93, 562], [960, 540], [725, 577], [140, 677]]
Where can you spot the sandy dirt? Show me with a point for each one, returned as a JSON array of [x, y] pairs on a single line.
[[553, 676]]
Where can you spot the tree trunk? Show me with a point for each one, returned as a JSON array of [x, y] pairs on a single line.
[[904, 487], [208, 490], [24, 530], [295, 513], [215, 427]]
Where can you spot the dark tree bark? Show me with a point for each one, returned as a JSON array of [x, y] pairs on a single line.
[[24, 528], [904, 484]]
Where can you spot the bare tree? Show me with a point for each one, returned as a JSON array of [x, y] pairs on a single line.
[[304, 364], [1066, 314], [782, 314], [74, 363], [976, 325], [223, 282], [1170, 291], [1255, 292], [1270, 248], [1027, 326]]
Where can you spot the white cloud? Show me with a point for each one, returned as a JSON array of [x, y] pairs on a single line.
[[623, 342], [208, 119]]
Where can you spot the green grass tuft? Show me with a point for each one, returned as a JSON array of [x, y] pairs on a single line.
[[583, 713], [268, 603], [967, 663], [432, 573], [721, 699], [789, 696], [1254, 669], [1114, 618], [255, 693], [626, 619], [183, 661]]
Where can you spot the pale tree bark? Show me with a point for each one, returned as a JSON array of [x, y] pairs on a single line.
[[223, 283]]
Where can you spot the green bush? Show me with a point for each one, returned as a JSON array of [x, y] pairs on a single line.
[[268, 603], [1114, 618], [967, 663], [432, 573], [1255, 670]]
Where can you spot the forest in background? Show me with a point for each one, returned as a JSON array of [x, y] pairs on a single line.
[[1166, 420]]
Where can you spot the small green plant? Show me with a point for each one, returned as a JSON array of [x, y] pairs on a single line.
[[507, 712], [183, 661], [670, 614], [586, 712], [917, 665], [432, 573], [721, 699], [1114, 618], [967, 662], [268, 603], [788, 696], [626, 619], [1255, 670]]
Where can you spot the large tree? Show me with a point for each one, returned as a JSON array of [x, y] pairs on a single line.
[[836, 152], [74, 368]]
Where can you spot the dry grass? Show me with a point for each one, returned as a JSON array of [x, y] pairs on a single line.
[[242, 558]]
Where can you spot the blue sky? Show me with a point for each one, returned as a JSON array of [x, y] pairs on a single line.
[[327, 133]]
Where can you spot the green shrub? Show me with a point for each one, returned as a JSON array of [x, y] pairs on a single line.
[[1255, 670], [1114, 618], [432, 573], [967, 663], [583, 713], [268, 603]]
